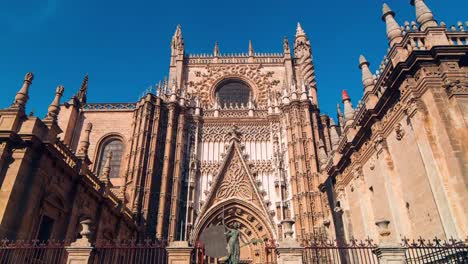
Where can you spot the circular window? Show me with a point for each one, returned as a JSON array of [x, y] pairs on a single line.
[[233, 91]]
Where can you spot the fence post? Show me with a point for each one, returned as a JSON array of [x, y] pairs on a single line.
[[79, 252], [289, 250], [179, 252], [389, 252]]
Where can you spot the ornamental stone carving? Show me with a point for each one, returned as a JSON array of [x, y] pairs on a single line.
[[260, 82], [399, 132], [235, 183], [250, 132]]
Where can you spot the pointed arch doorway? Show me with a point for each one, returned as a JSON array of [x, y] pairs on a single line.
[[235, 194], [254, 228]]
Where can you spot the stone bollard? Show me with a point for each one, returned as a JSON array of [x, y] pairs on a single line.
[[179, 252], [289, 250], [389, 252], [79, 252]]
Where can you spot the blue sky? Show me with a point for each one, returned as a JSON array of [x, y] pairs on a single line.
[[124, 45]]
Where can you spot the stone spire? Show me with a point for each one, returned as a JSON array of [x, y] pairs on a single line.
[[81, 95], [303, 54], [393, 29], [367, 79], [54, 107], [299, 30], [84, 144], [216, 49], [348, 107], [177, 44], [22, 96], [424, 15], [105, 174], [251, 50]]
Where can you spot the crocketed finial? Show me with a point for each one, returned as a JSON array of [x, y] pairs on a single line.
[[394, 33], [22, 96], [81, 95], [54, 107], [424, 15]]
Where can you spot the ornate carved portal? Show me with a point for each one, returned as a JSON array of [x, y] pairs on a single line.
[[235, 197]]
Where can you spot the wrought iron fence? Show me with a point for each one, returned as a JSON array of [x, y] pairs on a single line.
[[435, 251], [122, 252], [198, 254], [331, 252], [33, 252]]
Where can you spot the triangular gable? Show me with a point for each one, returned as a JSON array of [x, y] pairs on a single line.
[[234, 180]]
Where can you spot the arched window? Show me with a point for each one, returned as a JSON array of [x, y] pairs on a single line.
[[116, 146], [233, 91]]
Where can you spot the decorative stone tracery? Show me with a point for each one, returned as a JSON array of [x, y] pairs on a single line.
[[260, 82]]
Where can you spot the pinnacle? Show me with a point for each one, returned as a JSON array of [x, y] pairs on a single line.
[[362, 61], [178, 31], [386, 10], [299, 30], [345, 96]]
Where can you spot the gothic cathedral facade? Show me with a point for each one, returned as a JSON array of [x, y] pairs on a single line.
[[240, 138]]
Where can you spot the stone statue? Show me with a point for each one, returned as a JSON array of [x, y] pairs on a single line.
[[233, 246]]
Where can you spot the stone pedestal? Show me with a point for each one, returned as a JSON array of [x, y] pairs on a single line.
[[391, 254], [290, 252], [79, 252], [79, 255], [179, 252], [389, 251]]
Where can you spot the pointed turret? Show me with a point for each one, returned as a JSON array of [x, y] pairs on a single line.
[[348, 107], [216, 49], [394, 33], [251, 50], [82, 93], [54, 107], [424, 15], [22, 96], [367, 79]]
